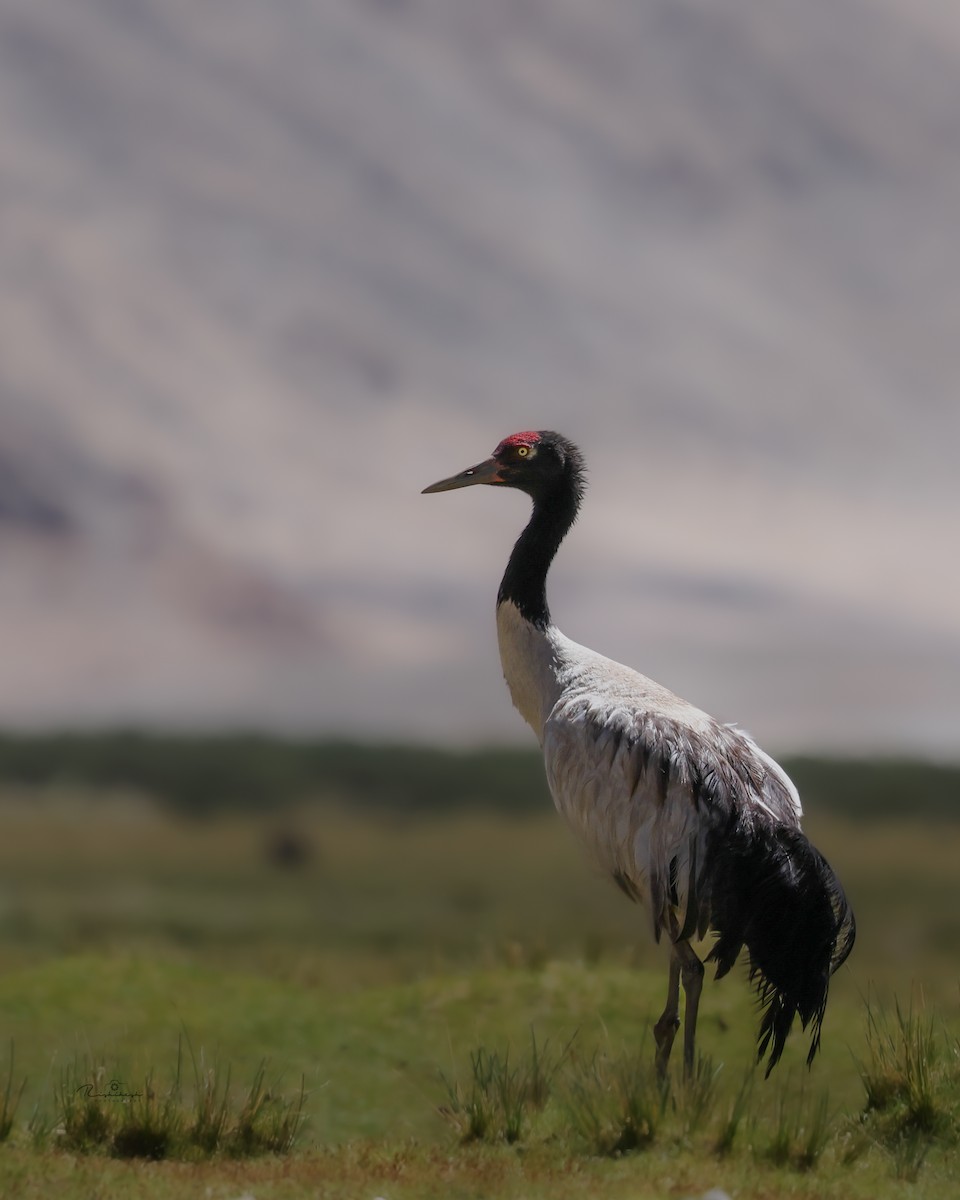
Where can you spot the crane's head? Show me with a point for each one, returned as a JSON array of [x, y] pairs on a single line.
[[535, 462]]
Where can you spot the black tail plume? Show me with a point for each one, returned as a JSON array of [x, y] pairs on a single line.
[[773, 892]]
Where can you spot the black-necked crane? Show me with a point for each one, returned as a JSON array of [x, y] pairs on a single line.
[[687, 815]]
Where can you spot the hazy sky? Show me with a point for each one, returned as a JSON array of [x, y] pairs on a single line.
[[270, 269]]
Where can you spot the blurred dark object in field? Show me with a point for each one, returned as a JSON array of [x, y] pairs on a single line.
[[289, 849]]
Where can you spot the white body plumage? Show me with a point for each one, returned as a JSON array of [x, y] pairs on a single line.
[[623, 754]]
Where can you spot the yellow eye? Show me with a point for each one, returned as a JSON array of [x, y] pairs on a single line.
[[523, 451]]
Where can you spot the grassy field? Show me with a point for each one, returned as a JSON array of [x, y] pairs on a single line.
[[462, 1001]]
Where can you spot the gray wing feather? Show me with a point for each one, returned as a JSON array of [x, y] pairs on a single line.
[[645, 793]]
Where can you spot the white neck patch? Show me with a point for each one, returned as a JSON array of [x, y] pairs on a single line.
[[530, 666]]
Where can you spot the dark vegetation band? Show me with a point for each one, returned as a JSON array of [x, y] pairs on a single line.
[[201, 775]]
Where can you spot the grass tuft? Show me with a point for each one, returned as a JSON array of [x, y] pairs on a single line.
[[207, 1126], [615, 1105], [733, 1120], [497, 1102], [911, 1084], [471, 1110], [694, 1099], [902, 1073], [801, 1130], [97, 1113], [266, 1124], [151, 1125], [812, 1140]]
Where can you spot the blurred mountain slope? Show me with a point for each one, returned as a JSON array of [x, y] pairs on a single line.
[[269, 269]]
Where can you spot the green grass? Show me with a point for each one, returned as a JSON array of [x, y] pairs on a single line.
[[446, 1008], [383, 1067]]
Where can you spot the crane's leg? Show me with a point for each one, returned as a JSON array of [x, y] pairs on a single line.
[[666, 1028], [691, 972]]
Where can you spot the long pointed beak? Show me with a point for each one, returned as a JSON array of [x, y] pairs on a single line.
[[485, 472]]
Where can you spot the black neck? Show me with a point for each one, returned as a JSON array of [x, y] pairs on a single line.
[[525, 579]]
